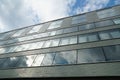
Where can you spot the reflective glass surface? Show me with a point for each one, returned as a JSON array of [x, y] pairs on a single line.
[[112, 52], [67, 57], [55, 24], [55, 42], [38, 60], [19, 32], [88, 26], [68, 30], [48, 59], [106, 13], [73, 40], [64, 41], [117, 21], [104, 23], [79, 19], [35, 29], [90, 55]]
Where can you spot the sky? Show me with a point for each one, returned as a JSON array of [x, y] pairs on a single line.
[[16, 14]]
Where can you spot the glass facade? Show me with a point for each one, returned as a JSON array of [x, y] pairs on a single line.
[[57, 44]]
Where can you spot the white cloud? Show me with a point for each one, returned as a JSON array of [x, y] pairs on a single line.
[[92, 5], [20, 13], [50, 9]]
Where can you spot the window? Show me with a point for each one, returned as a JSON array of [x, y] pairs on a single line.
[[52, 33], [59, 31], [18, 32], [4, 35], [90, 55], [112, 52], [39, 44], [73, 40], [88, 37], [117, 21], [109, 34], [79, 19], [3, 62], [106, 13], [47, 44], [68, 30], [67, 57], [64, 41], [55, 24], [55, 42], [48, 59], [104, 23], [82, 38], [88, 26], [38, 60], [93, 37], [26, 61], [35, 29]]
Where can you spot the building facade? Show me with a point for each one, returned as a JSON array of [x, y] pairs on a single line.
[[87, 44]]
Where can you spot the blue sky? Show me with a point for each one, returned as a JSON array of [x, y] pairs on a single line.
[[21, 13]]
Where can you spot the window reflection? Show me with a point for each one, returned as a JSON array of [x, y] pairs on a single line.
[[55, 24], [35, 29], [79, 19], [90, 55], [48, 59], [67, 57], [106, 13], [117, 21], [88, 26], [112, 52], [38, 60], [104, 23], [26, 61]]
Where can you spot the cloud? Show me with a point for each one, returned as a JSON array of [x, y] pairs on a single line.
[[91, 5], [50, 9], [20, 13]]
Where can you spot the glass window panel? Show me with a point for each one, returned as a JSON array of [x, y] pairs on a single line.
[[43, 35], [3, 62], [112, 52], [26, 61], [19, 32], [25, 46], [59, 31], [79, 19], [32, 46], [38, 60], [67, 57], [55, 42], [73, 40], [47, 43], [2, 50], [82, 38], [13, 61], [106, 13], [104, 23], [68, 30], [35, 29], [90, 55], [52, 33], [117, 21], [55, 24], [115, 34], [104, 35], [88, 26], [40, 44], [4, 35], [93, 37], [48, 59], [64, 41]]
